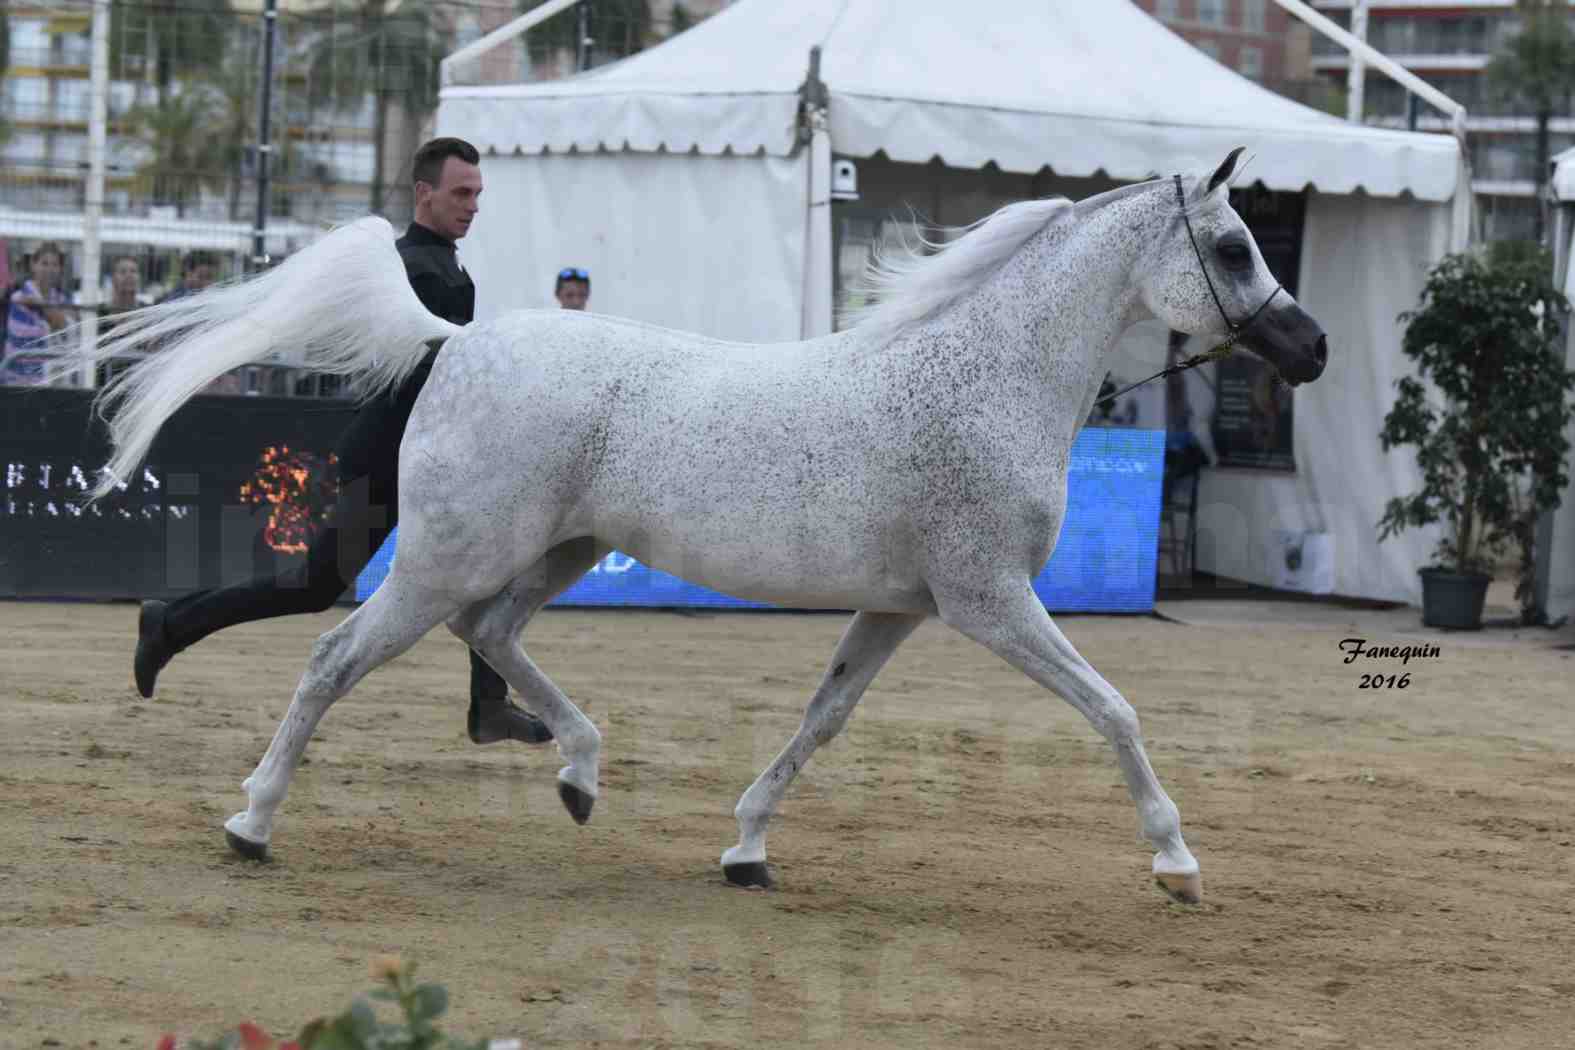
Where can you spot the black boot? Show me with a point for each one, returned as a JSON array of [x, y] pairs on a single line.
[[493, 716], [153, 647]]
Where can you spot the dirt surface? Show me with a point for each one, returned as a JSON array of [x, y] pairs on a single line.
[[1382, 868]]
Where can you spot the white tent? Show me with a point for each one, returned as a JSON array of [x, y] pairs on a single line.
[[687, 180], [1556, 539]]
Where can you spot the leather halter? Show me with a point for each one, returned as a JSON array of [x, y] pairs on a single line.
[[1236, 330]]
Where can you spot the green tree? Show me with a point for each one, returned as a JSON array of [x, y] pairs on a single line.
[[619, 27], [5, 35], [234, 91], [182, 155], [375, 48], [175, 38], [5, 58], [1491, 447], [1536, 71]]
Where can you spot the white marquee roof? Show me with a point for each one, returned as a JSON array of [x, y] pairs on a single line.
[[1080, 86]]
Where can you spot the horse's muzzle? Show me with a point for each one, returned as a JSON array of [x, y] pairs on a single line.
[[1289, 339]]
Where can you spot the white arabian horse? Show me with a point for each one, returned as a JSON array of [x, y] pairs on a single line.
[[913, 465]]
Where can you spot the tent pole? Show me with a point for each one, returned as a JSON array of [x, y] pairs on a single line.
[[93, 213], [815, 128], [1356, 79], [264, 142]]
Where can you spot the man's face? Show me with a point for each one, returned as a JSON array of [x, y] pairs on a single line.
[[199, 277], [126, 278], [448, 208], [573, 295]]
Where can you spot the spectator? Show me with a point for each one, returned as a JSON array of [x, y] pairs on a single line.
[[573, 288], [198, 270], [125, 283], [36, 310]]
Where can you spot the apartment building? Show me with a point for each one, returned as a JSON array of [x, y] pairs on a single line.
[[194, 184], [1449, 43], [1256, 38], [195, 166]]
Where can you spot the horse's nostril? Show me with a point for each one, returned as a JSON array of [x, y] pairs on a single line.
[[1320, 350]]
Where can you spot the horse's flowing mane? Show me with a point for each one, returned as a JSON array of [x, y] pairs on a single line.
[[919, 278]]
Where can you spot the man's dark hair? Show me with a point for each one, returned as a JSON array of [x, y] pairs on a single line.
[[198, 258], [427, 166]]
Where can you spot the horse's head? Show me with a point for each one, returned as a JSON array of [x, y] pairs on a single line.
[[1205, 276]]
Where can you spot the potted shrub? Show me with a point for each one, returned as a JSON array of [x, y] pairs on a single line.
[[1489, 434]]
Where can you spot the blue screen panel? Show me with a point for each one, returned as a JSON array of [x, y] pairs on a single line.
[[1105, 560]]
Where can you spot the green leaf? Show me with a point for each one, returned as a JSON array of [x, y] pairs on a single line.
[[383, 995], [362, 1018], [337, 1034], [429, 1001], [311, 1033]]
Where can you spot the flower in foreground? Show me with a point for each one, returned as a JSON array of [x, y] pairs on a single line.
[[386, 967]]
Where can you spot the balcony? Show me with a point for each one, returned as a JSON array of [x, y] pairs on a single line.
[[1450, 63], [1329, 7], [1429, 34]]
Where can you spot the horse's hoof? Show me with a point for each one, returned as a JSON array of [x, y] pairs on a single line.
[[1183, 889], [749, 873], [257, 851], [577, 802]]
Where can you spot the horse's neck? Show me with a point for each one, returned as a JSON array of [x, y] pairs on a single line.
[[1063, 300]]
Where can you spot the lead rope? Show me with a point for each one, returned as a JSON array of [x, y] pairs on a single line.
[[1220, 352]]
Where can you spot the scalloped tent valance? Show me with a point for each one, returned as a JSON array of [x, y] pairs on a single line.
[[1079, 86]]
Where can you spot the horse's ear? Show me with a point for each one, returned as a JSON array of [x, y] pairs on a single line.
[[1224, 171]]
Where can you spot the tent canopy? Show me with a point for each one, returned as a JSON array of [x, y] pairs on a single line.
[[1080, 86]]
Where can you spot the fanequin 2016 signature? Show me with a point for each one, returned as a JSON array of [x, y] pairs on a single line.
[[1357, 648]]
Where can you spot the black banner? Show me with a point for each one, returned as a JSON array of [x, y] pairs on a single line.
[[1252, 425], [233, 487]]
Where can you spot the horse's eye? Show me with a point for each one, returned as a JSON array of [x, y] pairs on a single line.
[[1235, 254]]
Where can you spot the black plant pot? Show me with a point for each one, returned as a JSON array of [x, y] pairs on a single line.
[[1453, 599]]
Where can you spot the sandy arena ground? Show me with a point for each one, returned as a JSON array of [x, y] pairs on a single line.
[[1382, 868]]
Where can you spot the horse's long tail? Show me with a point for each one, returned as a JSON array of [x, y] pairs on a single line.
[[341, 305]]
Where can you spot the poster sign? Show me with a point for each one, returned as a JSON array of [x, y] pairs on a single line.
[[1104, 560], [1254, 416]]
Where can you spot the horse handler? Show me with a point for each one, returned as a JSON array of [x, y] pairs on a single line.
[[447, 177]]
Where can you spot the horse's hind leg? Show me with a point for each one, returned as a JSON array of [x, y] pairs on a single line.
[[1012, 622], [866, 645], [492, 627], [395, 618]]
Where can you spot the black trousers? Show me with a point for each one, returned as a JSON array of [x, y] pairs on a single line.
[[366, 511]]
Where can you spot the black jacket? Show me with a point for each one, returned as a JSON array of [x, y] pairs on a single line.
[[434, 272]]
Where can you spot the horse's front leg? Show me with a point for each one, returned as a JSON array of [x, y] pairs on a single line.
[[867, 643], [1010, 621]]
